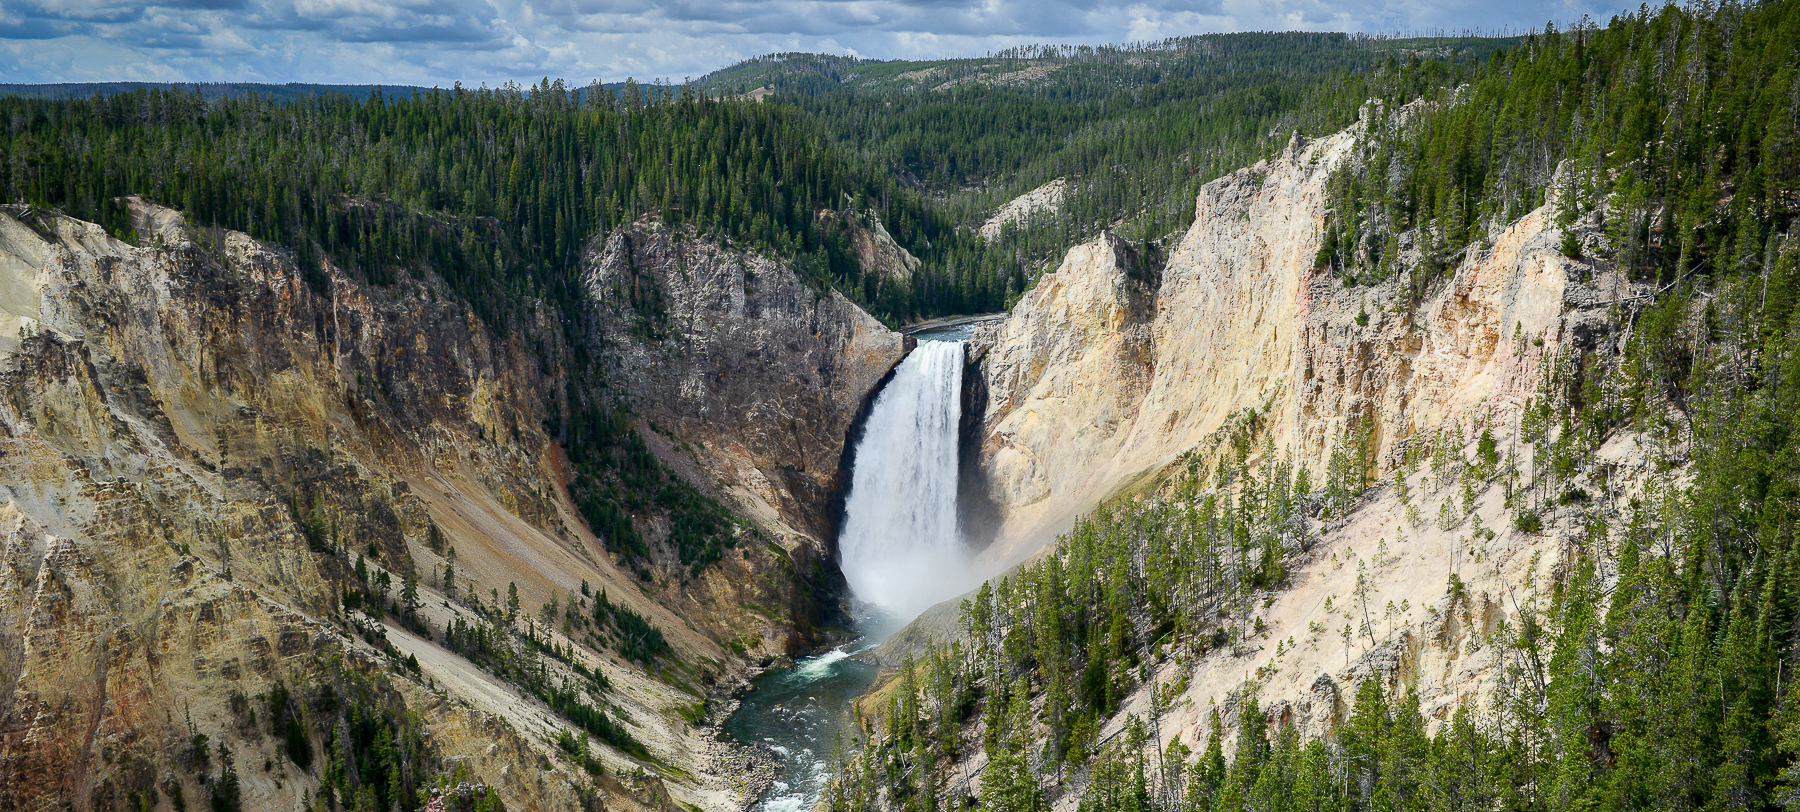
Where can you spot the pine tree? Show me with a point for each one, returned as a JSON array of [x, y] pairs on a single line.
[[409, 588]]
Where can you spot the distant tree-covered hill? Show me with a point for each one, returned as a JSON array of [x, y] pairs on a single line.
[[496, 189], [208, 90], [1134, 130]]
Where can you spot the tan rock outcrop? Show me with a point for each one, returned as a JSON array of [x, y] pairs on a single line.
[[876, 250], [1045, 199], [1064, 375]]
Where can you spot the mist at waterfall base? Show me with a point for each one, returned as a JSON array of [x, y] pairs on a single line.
[[901, 552], [900, 548]]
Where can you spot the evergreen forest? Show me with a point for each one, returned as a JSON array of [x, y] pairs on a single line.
[[497, 191]]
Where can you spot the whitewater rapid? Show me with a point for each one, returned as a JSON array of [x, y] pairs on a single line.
[[901, 548]]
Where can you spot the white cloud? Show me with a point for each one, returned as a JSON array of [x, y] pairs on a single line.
[[493, 41]]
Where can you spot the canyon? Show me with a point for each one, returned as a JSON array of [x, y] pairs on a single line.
[[199, 444], [1219, 423]]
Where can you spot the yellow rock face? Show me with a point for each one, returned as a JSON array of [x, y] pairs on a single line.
[[1098, 377], [1101, 379]]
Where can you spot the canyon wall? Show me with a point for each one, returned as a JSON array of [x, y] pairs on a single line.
[[762, 374], [1105, 380], [198, 444], [741, 370], [1102, 376]]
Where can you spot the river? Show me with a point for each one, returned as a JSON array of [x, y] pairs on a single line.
[[799, 713]]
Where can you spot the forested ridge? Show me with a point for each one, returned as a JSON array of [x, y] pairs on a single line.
[[1134, 130], [1657, 670], [497, 190], [1676, 128]]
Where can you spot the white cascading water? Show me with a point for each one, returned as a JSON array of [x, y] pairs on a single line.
[[901, 547]]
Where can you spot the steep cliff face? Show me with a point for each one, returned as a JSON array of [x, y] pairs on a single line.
[[197, 445], [1094, 382], [1063, 375], [1097, 384], [761, 375], [1422, 593], [1217, 335]]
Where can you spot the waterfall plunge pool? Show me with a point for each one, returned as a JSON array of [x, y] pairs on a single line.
[[800, 713]]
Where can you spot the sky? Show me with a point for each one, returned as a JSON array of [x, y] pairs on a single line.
[[476, 42]]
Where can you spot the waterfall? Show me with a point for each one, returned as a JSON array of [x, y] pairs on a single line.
[[901, 547]]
